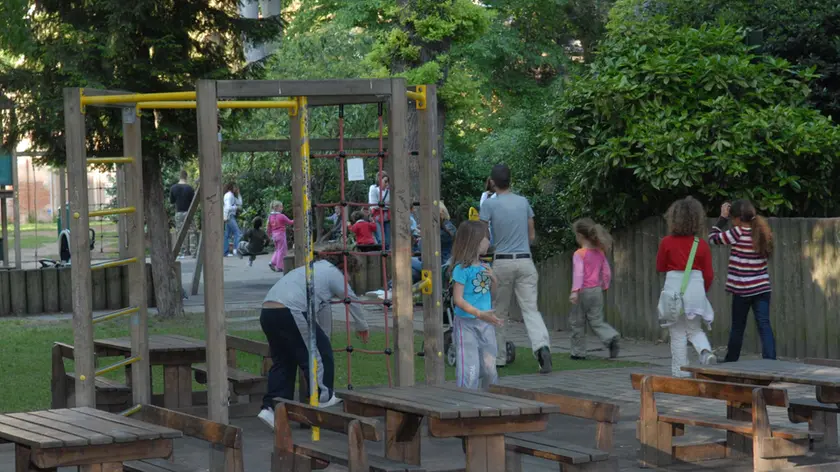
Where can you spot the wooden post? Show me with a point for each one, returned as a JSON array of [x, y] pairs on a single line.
[[123, 236], [62, 198], [199, 264], [50, 284], [74, 136], [184, 232], [135, 246], [297, 193], [210, 157], [430, 246], [34, 292], [4, 227], [403, 304], [16, 205]]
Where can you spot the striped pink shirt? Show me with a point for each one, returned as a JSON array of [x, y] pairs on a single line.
[[591, 269], [747, 275]]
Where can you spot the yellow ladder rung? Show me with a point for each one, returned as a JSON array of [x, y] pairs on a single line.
[[110, 160], [115, 314], [111, 368], [111, 211], [132, 410], [116, 263]]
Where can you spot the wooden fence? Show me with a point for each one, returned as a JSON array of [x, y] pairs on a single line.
[[804, 272]]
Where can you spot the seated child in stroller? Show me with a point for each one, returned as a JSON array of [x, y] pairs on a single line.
[[253, 241]]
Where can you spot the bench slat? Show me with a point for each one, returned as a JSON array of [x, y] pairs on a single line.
[[553, 451], [339, 456], [714, 390], [741, 427], [337, 421], [234, 375], [104, 384], [809, 404], [595, 455], [156, 465]]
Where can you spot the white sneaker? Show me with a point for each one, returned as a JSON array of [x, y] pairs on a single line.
[[331, 402], [708, 358], [267, 416]]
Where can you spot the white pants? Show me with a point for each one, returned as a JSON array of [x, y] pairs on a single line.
[[682, 331], [520, 277]]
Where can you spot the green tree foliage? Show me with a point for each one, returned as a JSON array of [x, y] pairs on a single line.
[[665, 112]]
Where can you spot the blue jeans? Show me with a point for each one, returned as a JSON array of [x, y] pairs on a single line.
[[378, 236], [760, 305], [231, 229]]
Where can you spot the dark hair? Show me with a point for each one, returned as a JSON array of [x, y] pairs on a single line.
[[685, 217], [184, 174], [594, 233], [467, 239], [762, 235], [500, 175], [377, 179], [356, 216], [334, 254], [488, 186], [257, 222], [229, 186]]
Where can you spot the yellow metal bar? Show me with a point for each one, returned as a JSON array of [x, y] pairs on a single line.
[[290, 104], [123, 363], [110, 160], [419, 96], [132, 410], [110, 211], [166, 104], [116, 314], [116, 263], [136, 98]]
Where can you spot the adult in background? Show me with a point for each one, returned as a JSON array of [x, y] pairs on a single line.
[[232, 204], [512, 220], [284, 321], [181, 196], [380, 193]]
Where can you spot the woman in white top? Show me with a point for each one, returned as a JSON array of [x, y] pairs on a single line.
[[232, 204], [489, 192], [381, 193]]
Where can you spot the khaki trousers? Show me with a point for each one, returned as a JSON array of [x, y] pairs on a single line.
[[518, 276]]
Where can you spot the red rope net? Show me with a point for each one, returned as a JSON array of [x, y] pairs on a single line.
[[341, 156]]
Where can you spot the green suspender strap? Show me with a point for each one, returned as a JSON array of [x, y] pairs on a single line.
[[688, 265]]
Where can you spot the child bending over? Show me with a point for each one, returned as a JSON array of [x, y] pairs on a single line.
[[253, 242], [474, 331]]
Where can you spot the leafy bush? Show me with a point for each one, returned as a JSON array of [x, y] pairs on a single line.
[[664, 112]]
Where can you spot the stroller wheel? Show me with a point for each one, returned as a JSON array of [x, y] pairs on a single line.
[[449, 348], [422, 352], [510, 352]]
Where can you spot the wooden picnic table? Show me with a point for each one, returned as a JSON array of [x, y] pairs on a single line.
[[93, 439], [174, 352], [481, 418], [825, 379]]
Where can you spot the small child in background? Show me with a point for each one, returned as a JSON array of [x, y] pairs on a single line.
[[591, 278], [277, 223], [364, 229], [253, 241], [475, 320]]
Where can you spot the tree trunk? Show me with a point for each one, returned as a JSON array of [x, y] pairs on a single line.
[[164, 276]]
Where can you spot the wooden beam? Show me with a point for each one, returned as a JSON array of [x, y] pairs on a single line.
[[135, 246], [308, 88], [297, 193], [62, 198], [430, 227], [185, 229], [74, 135], [210, 157], [199, 264], [730, 392], [403, 304], [285, 145], [327, 101], [4, 227], [16, 206]]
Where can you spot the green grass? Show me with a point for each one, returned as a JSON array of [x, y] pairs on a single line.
[[25, 350]]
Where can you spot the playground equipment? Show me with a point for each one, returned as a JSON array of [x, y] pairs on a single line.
[[64, 250], [209, 97], [8, 177]]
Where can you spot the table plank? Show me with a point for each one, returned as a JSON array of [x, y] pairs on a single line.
[[161, 431], [120, 435], [28, 438], [773, 371], [378, 397], [157, 343], [67, 439], [433, 396], [526, 407], [92, 437], [116, 436]]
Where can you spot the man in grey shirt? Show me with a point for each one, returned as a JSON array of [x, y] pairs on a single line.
[[512, 221]]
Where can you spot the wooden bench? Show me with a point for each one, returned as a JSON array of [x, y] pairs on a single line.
[[572, 457], [820, 414], [249, 387], [111, 395], [769, 446], [221, 437], [292, 456]]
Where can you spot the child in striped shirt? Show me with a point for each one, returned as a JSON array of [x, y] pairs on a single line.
[[747, 279]]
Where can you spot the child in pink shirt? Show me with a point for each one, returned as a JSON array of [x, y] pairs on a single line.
[[277, 223], [590, 280]]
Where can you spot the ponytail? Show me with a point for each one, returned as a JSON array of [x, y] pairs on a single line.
[[762, 236], [594, 233]]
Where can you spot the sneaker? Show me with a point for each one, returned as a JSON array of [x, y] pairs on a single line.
[[250, 263], [708, 358], [331, 402], [544, 358], [267, 416], [614, 348], [271, 266], [578, 358]]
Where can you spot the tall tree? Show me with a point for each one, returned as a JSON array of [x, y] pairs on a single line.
[[144, 46]]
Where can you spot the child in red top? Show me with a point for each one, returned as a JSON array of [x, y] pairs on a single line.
[[590, 279], [685, 223], [364, 229], [276, 230]]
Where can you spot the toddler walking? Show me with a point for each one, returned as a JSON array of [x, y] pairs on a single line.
[[474, 330], [591, 278], [277, 223]]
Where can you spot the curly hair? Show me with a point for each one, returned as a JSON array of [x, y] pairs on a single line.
[[594, 233], [686, 217], [334, 254]]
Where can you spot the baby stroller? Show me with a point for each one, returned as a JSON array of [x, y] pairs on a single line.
[[64, 250]]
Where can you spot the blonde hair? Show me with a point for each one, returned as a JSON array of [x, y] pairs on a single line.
[[596, 234], [444, 213], [275, 204], [467, 241]]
